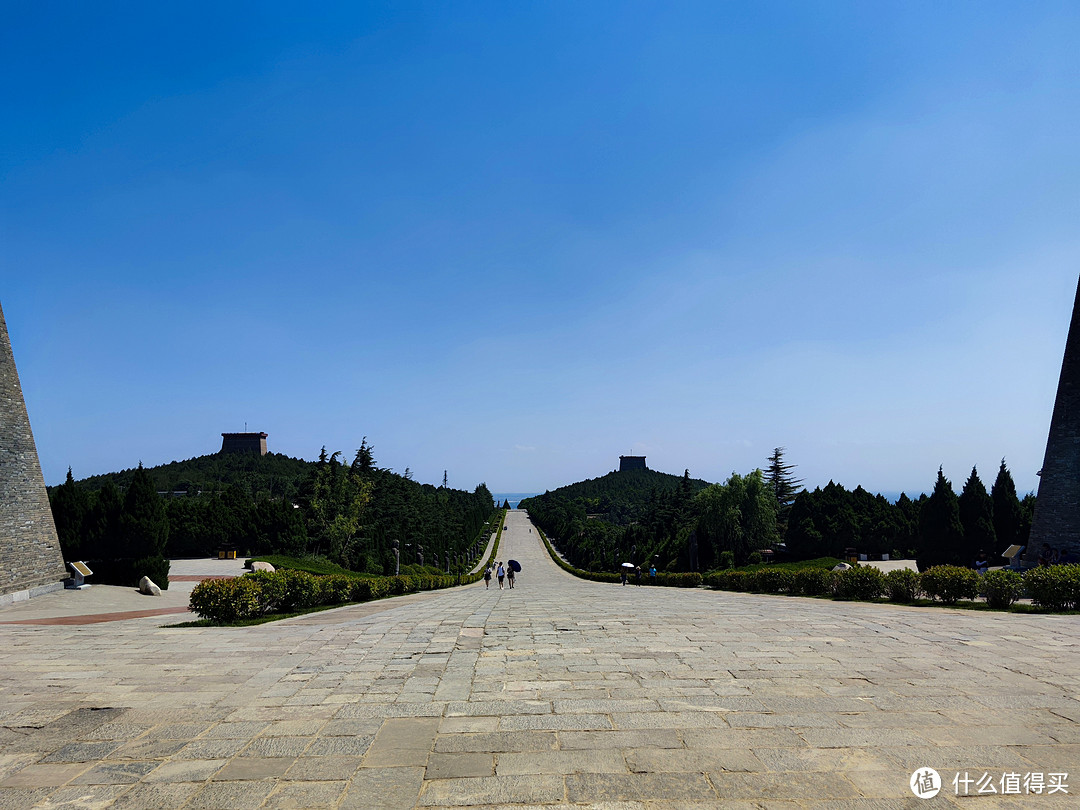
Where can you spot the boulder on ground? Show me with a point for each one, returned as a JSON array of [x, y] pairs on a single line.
[[147, 586], [841, 567], [259, 565]]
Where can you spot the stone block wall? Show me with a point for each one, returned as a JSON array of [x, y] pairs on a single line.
[[1057, 508], [29, 549]]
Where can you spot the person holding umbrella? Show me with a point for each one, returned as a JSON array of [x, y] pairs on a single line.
[[625, 571], [512, 567]]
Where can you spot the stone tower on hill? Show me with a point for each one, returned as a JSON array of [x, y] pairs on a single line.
[[244, 443], [30, 559], [1057, 507], [631, 463]]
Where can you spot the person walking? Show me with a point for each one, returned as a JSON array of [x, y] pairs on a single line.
[[623, 576], [510, 576], [487, 577], [501, 573]]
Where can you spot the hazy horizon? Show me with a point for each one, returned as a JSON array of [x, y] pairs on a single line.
[[513, 241]]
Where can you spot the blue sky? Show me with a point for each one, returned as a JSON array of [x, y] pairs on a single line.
[[515, 240]]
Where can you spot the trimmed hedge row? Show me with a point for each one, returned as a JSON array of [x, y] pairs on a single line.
[[1055, 587], [129, 570], [689, 579], [288, 590]]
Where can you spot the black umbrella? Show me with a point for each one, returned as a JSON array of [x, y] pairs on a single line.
[[515, 565]]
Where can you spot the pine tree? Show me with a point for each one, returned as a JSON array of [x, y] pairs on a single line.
[[1008, 515], [71, 509], [102, 534], [783, 485], [941, 535], [144, 527], [977, 518], [365, 460]]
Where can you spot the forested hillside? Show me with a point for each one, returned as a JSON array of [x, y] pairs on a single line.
[[349, 513], [273, 475], [679, 524]]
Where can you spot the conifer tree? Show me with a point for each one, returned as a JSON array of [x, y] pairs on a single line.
[[780, 480], [941, 535], [365, 460], [1008, 515], [71, 509], [103, 539], [784, 487], [144, 527], [977, 518]]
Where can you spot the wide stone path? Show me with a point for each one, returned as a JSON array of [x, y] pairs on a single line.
[[559, 693]]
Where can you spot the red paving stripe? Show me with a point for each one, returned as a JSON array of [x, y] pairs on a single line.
[[199, 577], [97, 618]]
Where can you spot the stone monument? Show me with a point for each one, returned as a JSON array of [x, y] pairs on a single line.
[[244, 443], [30, 558], [1057, 508]]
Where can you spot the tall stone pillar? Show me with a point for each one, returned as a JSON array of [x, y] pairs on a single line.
[[1057, 508], [30, 559]]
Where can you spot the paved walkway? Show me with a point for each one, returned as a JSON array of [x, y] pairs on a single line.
[[559, 693], [110, 603]]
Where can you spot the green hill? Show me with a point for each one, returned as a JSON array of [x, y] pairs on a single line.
[[620, 498], [273, 475], [352, 514], [628, 516]]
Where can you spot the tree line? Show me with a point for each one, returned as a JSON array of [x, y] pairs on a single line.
[[684, 524], [350, 513]]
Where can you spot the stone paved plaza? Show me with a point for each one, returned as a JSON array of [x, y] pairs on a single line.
[[559, 693]]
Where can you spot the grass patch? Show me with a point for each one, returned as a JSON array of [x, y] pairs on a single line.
[[312, 565], [828, 563]]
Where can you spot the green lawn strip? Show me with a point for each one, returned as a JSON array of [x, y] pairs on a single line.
[[821, 562], [313, 565], [495, 548]]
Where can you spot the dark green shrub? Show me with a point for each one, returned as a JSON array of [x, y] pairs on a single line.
[[128, 571], [157, 568], [1054, 587], [336, 589], [903, 585], [754, 558], [686, 579], [271, 589], [950, 583], [727, 560], [1002, 588], [362, 590], [379, 587], [811, 581], [861, 583], [773, 580], [732, 580], [227, 600], [301, 590]]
